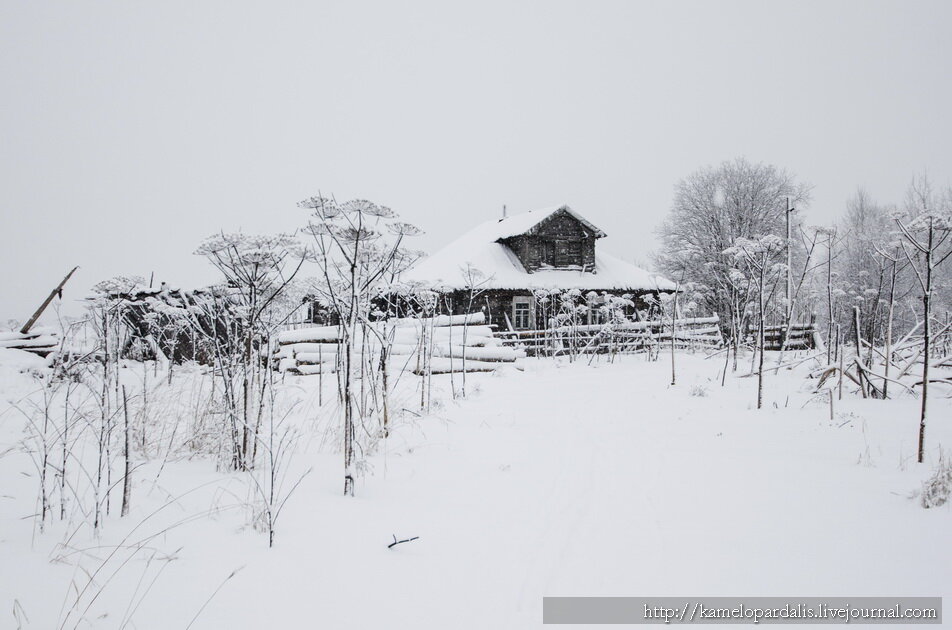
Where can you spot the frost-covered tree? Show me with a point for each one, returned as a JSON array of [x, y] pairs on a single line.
[[863, 274], [713, 208], [761, 259]]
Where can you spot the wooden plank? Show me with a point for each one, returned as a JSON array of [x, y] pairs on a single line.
[[57, 291]]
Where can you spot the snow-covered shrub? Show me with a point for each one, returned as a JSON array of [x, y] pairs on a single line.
[[937, 488], [699, 390]]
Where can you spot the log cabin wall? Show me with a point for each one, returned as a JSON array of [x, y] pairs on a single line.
[[559, 242], [497, 304]]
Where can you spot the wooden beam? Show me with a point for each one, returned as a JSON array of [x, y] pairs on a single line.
[[57, 291]]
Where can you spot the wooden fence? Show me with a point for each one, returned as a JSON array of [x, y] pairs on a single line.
[[617, 337], [802, 337]]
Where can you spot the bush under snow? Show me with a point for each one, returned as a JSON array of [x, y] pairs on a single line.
[[937, 488]]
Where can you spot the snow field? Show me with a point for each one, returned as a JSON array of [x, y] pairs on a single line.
[[562, 479]]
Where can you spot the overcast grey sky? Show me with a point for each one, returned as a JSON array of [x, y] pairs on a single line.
[[131, 130]]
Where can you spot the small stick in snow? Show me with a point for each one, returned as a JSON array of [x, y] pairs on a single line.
[[397, 542]]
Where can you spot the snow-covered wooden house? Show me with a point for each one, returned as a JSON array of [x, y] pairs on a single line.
[[514, 260]]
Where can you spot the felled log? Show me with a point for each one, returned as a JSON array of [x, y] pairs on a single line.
[[500, 355], [309, 335], [316, 358], [439, 320], [400, 335], [324, 368], [445, 366], [291, 350], [475, 335]]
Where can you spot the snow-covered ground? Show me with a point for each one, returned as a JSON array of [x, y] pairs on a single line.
[[562, 479]]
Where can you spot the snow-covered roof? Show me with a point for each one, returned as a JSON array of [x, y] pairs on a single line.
[[479, 248], [525, 222]]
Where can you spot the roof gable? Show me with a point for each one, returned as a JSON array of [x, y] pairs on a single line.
[[530, 222]]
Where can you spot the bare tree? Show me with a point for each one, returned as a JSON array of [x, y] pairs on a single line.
[[893, 261], [867, 228], [712, 209], [926, 244], [795, 286], [760, 257]]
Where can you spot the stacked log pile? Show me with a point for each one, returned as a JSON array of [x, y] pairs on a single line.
[[435, 345], [41, 341], [308, 350], [181, 325]]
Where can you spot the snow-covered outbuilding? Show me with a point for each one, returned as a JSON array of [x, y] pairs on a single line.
[[513, 260]]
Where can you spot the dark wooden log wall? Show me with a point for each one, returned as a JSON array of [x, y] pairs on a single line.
[[497, 303], [560, 241]]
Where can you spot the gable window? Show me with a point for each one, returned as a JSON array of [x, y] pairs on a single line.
[[522, 312]]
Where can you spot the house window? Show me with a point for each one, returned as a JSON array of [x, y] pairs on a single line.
[[595, 303], [521, 313]]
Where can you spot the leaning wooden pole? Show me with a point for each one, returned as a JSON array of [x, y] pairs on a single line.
[[29, 324], [889, 331], [859, 350], [926, 342], [788, 289], [126, 479], [674, 325]]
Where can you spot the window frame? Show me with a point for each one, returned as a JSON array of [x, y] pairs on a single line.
[[522, 305]]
